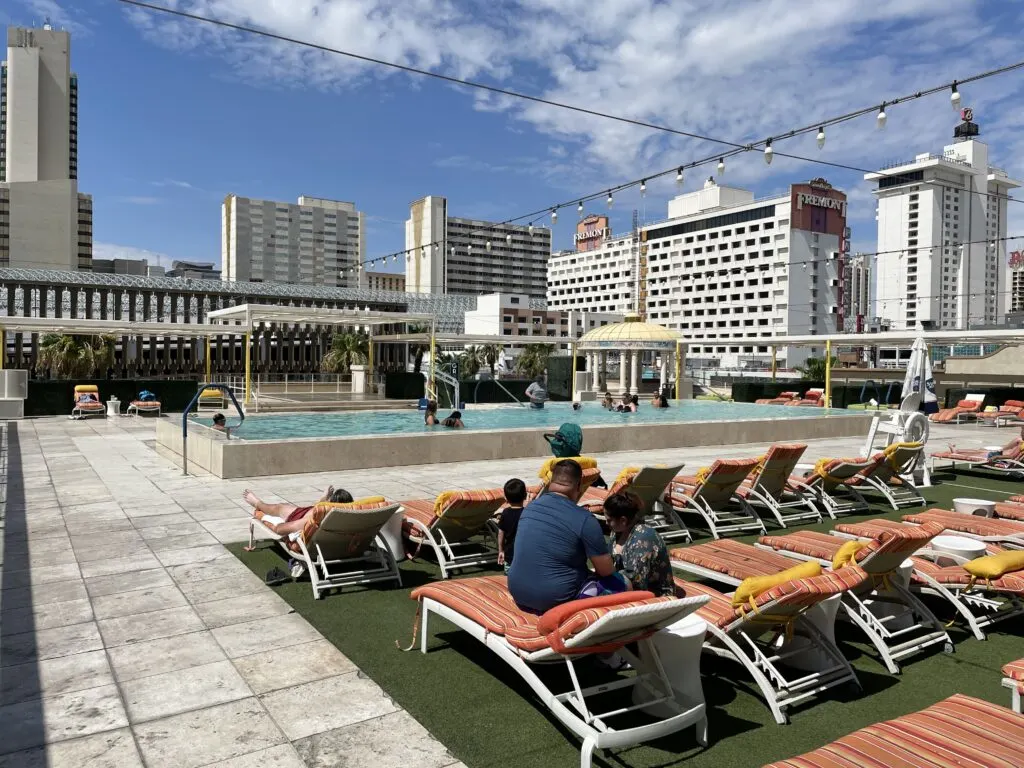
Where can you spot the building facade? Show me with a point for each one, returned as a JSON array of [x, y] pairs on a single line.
[[941, 223], [445, 254], [194, 270], [856, 309], [382, 281], [314, 241], [724, 266], [45, 222]]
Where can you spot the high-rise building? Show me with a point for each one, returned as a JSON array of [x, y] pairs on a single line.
[[445, 254], [314, 241], [724, 266], [382, 281], [941, 224], [44, 221], [855, 307]]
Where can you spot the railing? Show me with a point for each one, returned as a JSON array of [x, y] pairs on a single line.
[[503, 389], [188, 411]]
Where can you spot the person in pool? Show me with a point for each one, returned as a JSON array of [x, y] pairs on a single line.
[[537, 392], [430, 415], [609, 402], [454, 421], [285, 519], [219, 422]]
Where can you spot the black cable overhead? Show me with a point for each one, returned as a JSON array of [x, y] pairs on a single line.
[[735, 148]]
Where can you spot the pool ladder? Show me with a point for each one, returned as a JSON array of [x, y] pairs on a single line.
[[188, 410]]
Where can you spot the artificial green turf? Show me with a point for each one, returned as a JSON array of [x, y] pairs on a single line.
[[487, 717]]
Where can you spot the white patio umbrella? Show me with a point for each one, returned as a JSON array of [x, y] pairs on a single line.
[[919, 380]]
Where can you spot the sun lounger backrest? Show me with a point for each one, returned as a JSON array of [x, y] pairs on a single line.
[[650, 484], [348, 532], [886, 553], [870, 529], [720, 481], [463, 513], [832, 472], [902, 458], [776, 466]]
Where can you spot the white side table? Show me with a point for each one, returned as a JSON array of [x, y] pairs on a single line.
[[113, 407], [958, 546], [823, 617], [679, 647], [979, 507]]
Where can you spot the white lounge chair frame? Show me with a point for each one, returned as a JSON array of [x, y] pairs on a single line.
[[446, 552], [905, 494], [923, 631], [1014, 686], [571, 708], [785, 499], [327, 572], [740, 517], [77, 411], [135, 410], [832, 504]]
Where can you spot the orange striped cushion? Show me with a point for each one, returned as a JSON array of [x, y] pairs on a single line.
[[1010, 511], [486, 600], [957, 521], [870, 529], [955, 575], [959, 731], [733, 558], [1015, 671]]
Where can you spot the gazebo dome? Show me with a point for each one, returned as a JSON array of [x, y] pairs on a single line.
[[630, 334]]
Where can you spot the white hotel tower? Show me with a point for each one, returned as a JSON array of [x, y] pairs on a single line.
[[943, 218]]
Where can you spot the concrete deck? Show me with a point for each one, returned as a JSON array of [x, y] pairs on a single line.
[[129, 636]]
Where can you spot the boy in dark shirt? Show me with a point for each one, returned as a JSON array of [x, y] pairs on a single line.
[[515, 495]]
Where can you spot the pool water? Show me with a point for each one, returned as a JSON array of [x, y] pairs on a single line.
[[354, 423]]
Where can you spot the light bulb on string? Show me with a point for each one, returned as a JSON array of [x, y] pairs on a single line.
[[508, 239], [554, 215], [721, 166], [579, 208], [821, 137], [530, 229], [610, 199], [488, 245], [881, 119], [954, 97], [643, 188], [679, 177], [768, 152]]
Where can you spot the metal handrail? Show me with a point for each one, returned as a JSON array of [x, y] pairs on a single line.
[[188, 410], [503, 389]]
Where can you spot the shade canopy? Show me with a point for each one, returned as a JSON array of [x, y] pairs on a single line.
[[632, 333]]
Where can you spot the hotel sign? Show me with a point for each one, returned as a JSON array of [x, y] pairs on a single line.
[[1015, 259], [821, 202], [591, 232]]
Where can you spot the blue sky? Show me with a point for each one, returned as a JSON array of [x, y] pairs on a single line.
[[175, 115]]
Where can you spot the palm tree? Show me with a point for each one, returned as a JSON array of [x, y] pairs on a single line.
[[813, 368], [347, 349], [492, 354], [533, 360], [76, 357], [471, 361]]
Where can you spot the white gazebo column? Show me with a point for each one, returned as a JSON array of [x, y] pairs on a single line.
[[634, 372], [664, 371], [592, 370], [602, 368], [623, 362]]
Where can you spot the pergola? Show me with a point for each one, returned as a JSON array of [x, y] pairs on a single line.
[[985, 336], [630, 339], [251, 316]]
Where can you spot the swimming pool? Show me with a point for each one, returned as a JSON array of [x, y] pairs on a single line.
[[502, 418]]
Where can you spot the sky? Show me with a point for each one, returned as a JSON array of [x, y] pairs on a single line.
[[175, 114]]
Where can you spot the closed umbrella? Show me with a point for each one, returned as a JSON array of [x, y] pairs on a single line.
[[918, 380]]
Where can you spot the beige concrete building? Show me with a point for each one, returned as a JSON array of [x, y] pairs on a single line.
[[382, 281], [45, 222], [314, 241], [445, 254]]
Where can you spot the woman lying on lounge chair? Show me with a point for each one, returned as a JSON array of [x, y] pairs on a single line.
[[285, 519]]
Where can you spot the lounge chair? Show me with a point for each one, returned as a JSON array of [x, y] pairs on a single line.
[[484, 608], [964, 411], [767, 487], [712, 494], [84, 403], [782, 399], [590, 474], [773, 637], [979, 458], [212, 399], [813, 398], [650, 484], [139, 407], [875, 607], [1010, 412], [959, 731], [892, 475], [341, 545], [828, 487], [981, 603], [454, 521], [1004, 533], [1014, 680]]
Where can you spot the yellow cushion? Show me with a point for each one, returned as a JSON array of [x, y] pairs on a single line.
[[994, 566], [585, 462], [626, 474], [79, 388], [354, 504], [208, 393], [847, 554], [442, 500], [754, 586]]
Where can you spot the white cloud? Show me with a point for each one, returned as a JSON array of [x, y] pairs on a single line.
[[115, 251], [138, 200]]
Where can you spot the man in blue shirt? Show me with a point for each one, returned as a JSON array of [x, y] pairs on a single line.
[[555, 539]]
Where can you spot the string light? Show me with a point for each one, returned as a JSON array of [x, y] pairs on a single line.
[[610, 199], [954, 97], [508, 239], [721, 166], [530, 229], [488, 246], [579, 208], [679, 177], [880, 120], [768, 152], [821, 137], [643, 188], [554, 215]]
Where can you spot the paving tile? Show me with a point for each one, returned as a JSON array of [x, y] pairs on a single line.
[[112, 749], [127, 565], [214, 569], [219, 589], [25, 578], [264, 634], [52, 677], [233, 530], [138, 601], [294, 665], [163, 520], [166, 654], [242, 608], [183, 690], [121, 582], [282, 756], [391, 741], [49, 644], [56, 718], [340, 701], [84, 526], [203, 514], [149, 626], [207, 736], [41, 594], [46, 616]]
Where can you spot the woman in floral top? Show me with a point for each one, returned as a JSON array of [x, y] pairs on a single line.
[[637, 550]]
